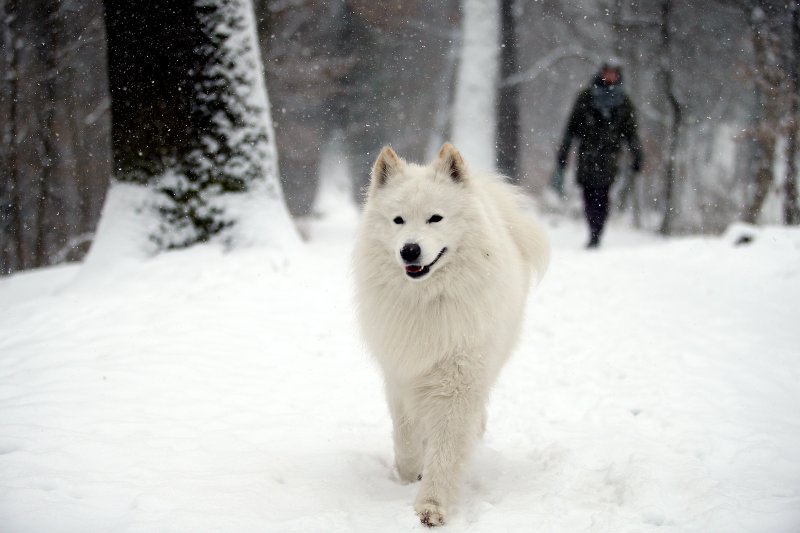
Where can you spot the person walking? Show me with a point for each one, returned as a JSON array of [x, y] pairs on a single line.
[[602, 118]]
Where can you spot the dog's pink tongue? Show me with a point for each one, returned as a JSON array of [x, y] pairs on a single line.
[[413, 269]]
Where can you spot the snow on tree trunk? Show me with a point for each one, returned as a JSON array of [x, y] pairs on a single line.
[[474, 122], [229, 187]]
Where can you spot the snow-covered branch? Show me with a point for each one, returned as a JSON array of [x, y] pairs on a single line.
[[552, 58]]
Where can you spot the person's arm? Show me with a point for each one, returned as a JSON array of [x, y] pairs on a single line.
[[573, 125]]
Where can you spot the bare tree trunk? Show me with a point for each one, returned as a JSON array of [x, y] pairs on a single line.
[[49, 147], [54, 135], [13, 258], [791, 212], [296, 41], [440, 131], [508, 97], [624, 49], [677, 110], [149, 55], [634, 59], [475, 103], [767, 79]]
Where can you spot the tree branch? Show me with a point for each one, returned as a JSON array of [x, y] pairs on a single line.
[[554, 57]]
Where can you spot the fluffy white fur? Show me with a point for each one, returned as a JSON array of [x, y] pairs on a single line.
[[442, 339]]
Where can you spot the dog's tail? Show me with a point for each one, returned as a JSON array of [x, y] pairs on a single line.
[[540, 246], [528, 235], [533, 243]]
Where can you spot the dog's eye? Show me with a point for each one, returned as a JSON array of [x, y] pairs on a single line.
[[435, 218], [399, 220]]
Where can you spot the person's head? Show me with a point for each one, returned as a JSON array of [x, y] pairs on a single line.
[[607, 91], [609, 75]]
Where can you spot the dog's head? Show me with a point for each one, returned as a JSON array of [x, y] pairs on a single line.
[[418, 212]]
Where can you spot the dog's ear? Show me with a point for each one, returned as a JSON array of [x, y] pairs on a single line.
[[450, 163], [387, 164]]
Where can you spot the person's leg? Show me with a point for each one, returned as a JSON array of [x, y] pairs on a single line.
[[595, 203]]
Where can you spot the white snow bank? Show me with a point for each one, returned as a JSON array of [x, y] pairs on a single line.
[[655, 389], [126, 223]]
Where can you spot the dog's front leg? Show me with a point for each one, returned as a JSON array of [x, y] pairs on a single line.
[[406, 435], [454, 410]]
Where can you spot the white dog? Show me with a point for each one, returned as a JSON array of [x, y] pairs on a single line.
[[443, 263]]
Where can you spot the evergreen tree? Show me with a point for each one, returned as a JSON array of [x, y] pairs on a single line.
[[233, 149], [213, 147]]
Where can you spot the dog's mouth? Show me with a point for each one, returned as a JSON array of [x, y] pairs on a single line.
[[418, 271]]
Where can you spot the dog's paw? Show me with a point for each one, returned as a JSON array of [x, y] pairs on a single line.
[[430, 513]]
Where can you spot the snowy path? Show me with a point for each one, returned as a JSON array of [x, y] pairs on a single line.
[[656, 389]]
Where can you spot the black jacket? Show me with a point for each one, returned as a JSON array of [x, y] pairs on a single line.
[[600, 140]]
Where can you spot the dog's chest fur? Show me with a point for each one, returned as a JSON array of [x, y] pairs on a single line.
[[410, 330]]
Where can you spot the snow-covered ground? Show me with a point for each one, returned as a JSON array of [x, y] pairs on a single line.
[[656, 388]]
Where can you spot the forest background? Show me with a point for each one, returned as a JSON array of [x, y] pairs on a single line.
[[99, 92]]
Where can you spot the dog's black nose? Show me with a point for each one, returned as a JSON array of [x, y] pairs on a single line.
[[410, 252]]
